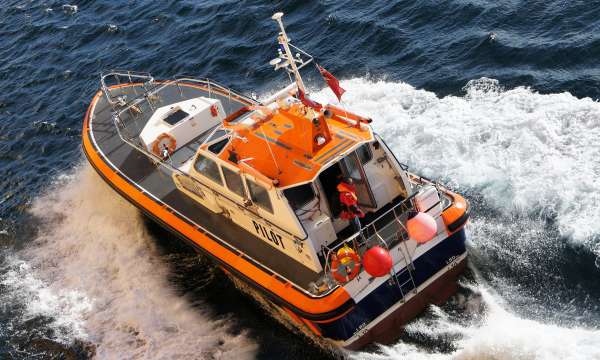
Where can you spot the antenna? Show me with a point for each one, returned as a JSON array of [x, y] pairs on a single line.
[[284, 41]]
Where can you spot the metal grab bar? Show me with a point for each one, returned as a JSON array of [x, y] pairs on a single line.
[[152, 86], [369, 239]]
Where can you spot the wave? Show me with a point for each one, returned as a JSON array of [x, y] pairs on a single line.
[[95, 272], [495, 333], [525, 152], [529, 164]]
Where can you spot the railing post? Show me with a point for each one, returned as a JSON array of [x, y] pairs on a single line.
[[179, 88], [229, 98]]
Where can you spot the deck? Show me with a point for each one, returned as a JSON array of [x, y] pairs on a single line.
[[156, 180]]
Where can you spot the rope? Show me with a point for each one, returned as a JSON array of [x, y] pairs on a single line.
[[270, 150]]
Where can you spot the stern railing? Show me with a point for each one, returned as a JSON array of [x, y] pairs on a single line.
[[387, 230]]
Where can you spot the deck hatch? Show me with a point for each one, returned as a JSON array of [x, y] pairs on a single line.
[[175, 117]]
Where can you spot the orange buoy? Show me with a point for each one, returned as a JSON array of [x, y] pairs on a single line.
[[377, 261], [421, 227], [457, 214]]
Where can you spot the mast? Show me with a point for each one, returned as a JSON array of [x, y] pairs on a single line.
[[284, 41]]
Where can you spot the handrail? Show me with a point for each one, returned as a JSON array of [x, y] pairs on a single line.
[[363, 232], [147, 78], [160, 162], [164, 84]]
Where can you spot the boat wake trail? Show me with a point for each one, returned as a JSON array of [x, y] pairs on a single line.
[[95, 275], [494, 334], [529, 164], [525, 152]]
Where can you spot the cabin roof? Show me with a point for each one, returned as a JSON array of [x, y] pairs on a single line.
[[280, 143]]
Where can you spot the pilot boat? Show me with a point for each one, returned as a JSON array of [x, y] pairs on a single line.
[[254, 185]]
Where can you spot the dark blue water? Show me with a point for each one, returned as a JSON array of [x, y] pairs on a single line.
[[497, 100]]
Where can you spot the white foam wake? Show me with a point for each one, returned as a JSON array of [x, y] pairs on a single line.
[[523, 151], [500, 335], [94, 270]]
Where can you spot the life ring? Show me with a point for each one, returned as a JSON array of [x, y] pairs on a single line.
[[345, 264], [162, 142]]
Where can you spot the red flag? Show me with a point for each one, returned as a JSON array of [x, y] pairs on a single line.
[[333, 83], [308, 102]]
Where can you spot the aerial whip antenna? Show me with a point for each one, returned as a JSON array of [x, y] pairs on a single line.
[[284, 42]]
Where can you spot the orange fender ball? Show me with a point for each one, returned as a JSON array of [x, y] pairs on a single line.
[[421, 228], [377, 261]]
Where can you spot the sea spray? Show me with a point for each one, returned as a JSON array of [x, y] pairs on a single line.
[[525, 152], [528, 162], [501, 335], [94, 270]]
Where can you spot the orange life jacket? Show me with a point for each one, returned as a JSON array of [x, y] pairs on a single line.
[[349, 202], [347, 194]]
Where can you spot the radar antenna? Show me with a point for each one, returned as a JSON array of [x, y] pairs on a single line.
[[286, 58]]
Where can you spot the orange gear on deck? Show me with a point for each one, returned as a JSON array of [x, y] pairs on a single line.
[[349, 201]]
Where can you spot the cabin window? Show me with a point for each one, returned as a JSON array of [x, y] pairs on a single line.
[[233, 181], [364, 154], [176, 117], [217, 134], [352, 167], [208, 168], [300, 195], [217, 147], [260, 196]]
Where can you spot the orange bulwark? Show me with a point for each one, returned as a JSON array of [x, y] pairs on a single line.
[[457, 214]]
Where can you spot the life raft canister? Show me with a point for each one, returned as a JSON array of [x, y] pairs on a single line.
[[164, 142], [345, 264]]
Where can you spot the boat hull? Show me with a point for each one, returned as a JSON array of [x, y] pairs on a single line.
[[335, 315]]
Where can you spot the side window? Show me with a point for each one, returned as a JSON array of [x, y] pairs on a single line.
[[217, 147], [260, 196], [300, 195], [364, 154], [208, 168], [233, 181]]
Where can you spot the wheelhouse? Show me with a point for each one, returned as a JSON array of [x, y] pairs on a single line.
[[256, 168]]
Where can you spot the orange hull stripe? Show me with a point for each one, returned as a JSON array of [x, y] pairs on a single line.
[[333, 318], [312, 327]]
